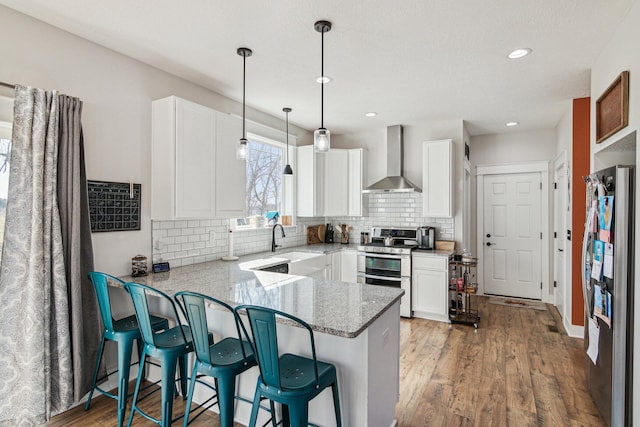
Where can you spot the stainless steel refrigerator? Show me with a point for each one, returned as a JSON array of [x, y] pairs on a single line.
[[607, 281]]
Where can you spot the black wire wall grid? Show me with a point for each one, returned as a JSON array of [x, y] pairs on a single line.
[[114, 206]]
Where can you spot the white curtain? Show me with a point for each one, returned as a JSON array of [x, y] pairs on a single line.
[[36, 369]]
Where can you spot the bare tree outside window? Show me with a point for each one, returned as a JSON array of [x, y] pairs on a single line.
[[264, 178]]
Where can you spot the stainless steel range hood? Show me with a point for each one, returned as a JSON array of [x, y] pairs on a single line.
[[394, 182]]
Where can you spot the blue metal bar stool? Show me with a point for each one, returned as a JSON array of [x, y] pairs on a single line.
[[171, 347], [288, 379], [124, 332], [222, 360]]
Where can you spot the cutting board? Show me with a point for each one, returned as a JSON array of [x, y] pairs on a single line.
[[322, 230], [312, 235]]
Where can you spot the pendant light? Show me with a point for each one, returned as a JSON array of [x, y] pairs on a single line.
[[241, 151], [322, 136], [287, 168]]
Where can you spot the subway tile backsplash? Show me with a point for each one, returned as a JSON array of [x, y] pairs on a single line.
[[189, 242]]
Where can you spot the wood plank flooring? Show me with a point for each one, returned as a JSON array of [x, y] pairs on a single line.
[[512, 371]]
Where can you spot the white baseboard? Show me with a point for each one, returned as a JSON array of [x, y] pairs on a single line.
[[574, 331]]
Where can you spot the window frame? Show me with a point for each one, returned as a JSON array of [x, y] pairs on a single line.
[[288, 181]]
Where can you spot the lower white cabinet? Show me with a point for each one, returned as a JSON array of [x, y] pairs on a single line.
[[349, 267], [429, 285], [336, 265]]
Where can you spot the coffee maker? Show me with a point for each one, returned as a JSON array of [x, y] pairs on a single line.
[[426, 238]]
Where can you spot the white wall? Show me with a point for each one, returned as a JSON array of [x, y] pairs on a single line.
[[514, 147], [564, 132], [117, 92]]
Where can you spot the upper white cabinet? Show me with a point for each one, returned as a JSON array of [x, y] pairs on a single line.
[[357, 199], [194, 172], [330, 184], [231, 174], [336, 195], [310, 177], [437, 178]]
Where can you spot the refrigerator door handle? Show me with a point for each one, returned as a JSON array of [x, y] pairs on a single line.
[[585, 279]]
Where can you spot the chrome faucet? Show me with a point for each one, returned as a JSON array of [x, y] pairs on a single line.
[[273, 236]]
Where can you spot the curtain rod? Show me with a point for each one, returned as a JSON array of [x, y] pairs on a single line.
[[9, 85]]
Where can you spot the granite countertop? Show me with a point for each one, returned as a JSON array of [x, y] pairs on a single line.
[[336, 308]]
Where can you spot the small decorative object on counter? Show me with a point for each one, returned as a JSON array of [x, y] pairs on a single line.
[[272, 217], [139, 266], [344, 234]]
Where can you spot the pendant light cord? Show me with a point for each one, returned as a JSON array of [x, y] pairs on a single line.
[[322, 84], [244, 82], [287, 137]]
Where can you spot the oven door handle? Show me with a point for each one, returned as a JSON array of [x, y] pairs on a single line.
[[376, 255], [390, 279]]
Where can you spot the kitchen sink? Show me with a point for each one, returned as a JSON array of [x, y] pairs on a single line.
[[298, 256], [296, 263]]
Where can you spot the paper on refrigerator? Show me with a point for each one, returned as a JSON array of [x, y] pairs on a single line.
[[594, 340]]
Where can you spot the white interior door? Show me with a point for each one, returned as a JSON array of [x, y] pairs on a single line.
[[512, 235], [559, 234]]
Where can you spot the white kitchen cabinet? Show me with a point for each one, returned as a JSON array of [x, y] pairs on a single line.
[[429, 286], [194, 172], [357, 199], [349, 266], [437, 178], [231, 174], [330, 184], [310, 182], [336, 265], [336, 178]]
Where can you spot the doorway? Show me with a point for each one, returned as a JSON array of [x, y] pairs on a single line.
[[562, 300], [513, 223]]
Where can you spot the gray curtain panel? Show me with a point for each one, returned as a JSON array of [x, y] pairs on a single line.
[[78, 252], [35, 354]]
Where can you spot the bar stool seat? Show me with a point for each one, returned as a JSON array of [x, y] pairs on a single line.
[[291, 380], [122, 331], [171, 347], [223, 360]]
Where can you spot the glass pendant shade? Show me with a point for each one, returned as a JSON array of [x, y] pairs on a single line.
[[241, 151], [322, 140]]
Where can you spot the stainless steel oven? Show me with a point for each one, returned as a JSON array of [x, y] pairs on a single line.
[[386, 261]]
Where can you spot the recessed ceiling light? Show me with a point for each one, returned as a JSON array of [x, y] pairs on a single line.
[[510, 124], [519, 53], [323, 79], [371, 114]]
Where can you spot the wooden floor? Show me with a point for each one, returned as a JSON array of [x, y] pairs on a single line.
[[513, 371]]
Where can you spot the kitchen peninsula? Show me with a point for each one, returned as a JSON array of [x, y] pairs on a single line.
[[356, 327]]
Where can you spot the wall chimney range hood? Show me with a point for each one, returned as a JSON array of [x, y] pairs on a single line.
[[394, 182]]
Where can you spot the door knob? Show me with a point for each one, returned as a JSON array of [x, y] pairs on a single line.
[[488, 243], [488, 235]]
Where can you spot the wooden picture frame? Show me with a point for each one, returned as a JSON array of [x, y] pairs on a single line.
[[612, 108]]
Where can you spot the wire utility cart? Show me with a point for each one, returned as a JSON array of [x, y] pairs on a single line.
[[462, 287]]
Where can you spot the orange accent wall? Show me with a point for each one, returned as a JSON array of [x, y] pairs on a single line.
[[580, 160]]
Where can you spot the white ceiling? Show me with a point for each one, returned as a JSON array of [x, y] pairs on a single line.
[[410, 61]]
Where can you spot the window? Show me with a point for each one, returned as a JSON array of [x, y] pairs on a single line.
[[266, 188], [264, 177], [5, 155]]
